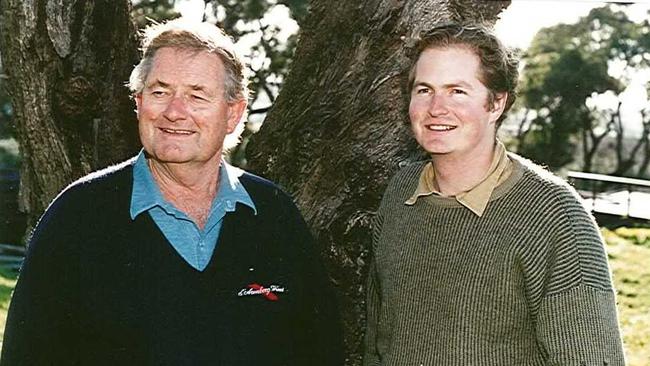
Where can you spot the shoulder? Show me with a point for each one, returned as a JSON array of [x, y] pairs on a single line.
[[405, 181], [274, 206], [556, 203], [76, 205], [97, 186], [537, 181], [265, 193], [408, 172]]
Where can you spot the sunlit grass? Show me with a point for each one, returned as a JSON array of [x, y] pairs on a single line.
[[629, 252], [7, 283]]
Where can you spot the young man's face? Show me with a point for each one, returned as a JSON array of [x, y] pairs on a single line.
[[449, 108], [182, 111]]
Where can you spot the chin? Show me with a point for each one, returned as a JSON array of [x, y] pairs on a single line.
[[170, 156], [436, 148]]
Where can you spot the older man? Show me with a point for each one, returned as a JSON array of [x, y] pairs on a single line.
[[175, 257], [480, 256]]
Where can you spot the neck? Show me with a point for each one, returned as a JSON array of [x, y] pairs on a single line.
[[191, 189], [181, 177], [454, 175]]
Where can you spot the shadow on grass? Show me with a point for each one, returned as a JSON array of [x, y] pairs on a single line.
[[613, 222], [8, 273], [5, 294]]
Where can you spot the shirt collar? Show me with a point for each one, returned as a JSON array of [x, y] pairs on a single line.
[[231, 190], [477, 198], [146, 193]]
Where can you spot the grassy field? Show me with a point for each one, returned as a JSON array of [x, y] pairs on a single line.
[[629, 255], [7, 283]]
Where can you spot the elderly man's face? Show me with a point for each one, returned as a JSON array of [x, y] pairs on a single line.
[[182, 112], [448, 110]]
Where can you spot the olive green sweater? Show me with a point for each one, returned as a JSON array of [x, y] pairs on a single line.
[[525, 284]]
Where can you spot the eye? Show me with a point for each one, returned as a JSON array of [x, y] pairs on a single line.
[[158, 93], [422, 90], [197, 97], [457, 91]]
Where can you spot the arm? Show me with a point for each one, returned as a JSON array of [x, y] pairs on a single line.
[[576, 321], [41, 323]]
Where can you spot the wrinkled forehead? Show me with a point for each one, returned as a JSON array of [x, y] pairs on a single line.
[[186, 67]]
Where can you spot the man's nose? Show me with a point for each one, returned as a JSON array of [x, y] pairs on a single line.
[[176, 109], [437, 105]]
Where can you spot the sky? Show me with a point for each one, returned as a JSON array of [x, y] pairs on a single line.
[[523, 18]]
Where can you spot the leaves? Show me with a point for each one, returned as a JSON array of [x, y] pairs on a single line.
[[566, 65]]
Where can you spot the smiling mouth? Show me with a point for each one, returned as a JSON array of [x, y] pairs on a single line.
[[178, 132], [439, 127]]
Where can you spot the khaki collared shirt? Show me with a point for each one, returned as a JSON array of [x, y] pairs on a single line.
[[476, 199]]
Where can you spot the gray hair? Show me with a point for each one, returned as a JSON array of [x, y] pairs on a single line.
[[188, 35]]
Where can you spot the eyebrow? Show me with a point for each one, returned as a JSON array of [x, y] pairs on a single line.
[[159, 83], [196, 87], [459, 83], [453, 84]]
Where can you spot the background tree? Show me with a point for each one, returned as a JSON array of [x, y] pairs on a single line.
[[338, 130], [144, 12], [6, 124], [566, 68], [66, 63]]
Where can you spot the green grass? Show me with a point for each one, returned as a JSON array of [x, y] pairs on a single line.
[[629, 256], [7, 283]]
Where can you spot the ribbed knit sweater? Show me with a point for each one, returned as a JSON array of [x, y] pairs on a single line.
[[525, 284]]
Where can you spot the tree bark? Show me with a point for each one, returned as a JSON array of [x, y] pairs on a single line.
[[339, 128], [67, 63]]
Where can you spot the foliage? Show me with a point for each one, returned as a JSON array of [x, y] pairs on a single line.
[[566, 66], [145, 11], [270, 54]]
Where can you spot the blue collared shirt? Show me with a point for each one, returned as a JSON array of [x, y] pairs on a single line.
[[193, 244]]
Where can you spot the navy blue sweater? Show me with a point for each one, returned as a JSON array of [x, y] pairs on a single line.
[[99, 288]]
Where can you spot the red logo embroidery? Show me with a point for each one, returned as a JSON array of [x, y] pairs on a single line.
[[257, 289]]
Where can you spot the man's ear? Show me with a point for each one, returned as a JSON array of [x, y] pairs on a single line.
[[235, 112], [497, 105], [138, 102]]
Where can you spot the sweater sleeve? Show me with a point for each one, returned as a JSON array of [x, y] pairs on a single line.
[[576, 318], [373, 301], [41, 324]]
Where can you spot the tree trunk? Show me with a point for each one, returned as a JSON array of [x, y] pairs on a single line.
[[339, 128], [67, 63]]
